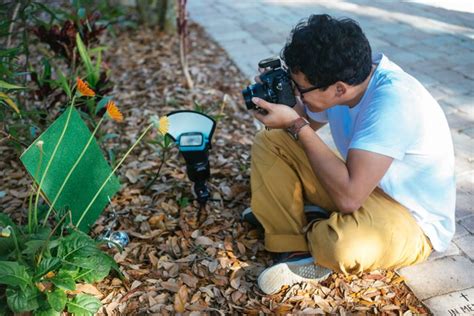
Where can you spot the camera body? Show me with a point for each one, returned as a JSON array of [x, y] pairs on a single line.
[[276, 86]]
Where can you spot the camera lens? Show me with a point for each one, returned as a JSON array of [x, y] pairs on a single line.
[[254, 90]]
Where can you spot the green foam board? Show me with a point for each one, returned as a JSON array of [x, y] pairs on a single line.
[[86, 179]]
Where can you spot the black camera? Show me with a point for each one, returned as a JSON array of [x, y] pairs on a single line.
[[276, 85]]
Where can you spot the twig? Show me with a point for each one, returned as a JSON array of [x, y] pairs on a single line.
[[9, 136], [182, 22]]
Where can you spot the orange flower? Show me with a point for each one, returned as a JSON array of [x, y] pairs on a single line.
[[114, 112], [84, 89]]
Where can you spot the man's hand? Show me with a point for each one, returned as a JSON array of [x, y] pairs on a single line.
[[277, 116]]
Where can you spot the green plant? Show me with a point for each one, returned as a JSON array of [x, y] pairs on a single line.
[[40, 265], [39, 271], [165, 143]]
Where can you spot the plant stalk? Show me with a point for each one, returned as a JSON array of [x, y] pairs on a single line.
[[163, 159]]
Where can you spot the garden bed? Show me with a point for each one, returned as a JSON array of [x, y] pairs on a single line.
[[180, 260]]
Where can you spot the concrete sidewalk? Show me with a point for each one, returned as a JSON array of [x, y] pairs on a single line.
[[433, 44]]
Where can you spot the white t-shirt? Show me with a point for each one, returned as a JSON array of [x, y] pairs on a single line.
[[397, 117]]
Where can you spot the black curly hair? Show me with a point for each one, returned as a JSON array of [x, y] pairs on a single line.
[[327, 50]]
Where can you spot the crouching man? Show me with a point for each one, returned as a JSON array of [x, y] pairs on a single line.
[[390, 192]]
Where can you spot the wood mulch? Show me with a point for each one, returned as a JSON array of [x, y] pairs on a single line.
[[179, 261]]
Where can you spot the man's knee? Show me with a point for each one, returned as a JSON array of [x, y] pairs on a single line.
[[345, 250]]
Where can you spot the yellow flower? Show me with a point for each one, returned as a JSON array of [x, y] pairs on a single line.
[[114, 112], [163, 125], [84, 89]]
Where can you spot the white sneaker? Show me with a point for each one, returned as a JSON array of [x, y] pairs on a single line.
[[272, 279]]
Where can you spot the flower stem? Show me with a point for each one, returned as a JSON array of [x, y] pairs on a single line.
[[43, 177], [112, 173], [30, 199], [72, 170]]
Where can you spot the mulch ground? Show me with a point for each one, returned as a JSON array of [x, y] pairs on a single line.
[[179, 261]]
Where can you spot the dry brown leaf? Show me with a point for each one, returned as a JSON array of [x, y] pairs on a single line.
[[180, 299], [189, 280]]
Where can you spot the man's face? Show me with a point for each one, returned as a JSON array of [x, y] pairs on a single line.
[[316, 100]]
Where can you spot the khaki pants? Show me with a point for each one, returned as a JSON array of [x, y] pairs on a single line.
[[381, 234]]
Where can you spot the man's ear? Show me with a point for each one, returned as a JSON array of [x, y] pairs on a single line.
[[340, 89]]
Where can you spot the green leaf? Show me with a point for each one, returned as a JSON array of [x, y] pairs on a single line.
[[22, 300], [64, 280], [77, 244], [63, 82], [46, 70], [94, 269], [91, 75], [102, 103], [14, 274], [48, 312], [83, 305], [47, 265], [8, 86], [5, 98], [32, 247], [81, 13], [57, 299]]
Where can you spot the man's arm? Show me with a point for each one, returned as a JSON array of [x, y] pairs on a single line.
[[299, 108], [349, 183]]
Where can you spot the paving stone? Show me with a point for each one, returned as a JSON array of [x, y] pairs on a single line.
[[459, 121], [466, 244], [440, 276], [447, 108], [456, 303], [464, 204], [432, 44], [451, 251], [463, 144], [461, 231], [469, 131], [468, 223]]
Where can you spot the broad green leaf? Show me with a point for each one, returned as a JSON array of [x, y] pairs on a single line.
[[22, 300], [5, 98], [47, 265], [6, 85], [64, 280], [94, 269], [77, 244], [14, 274], [91, 75], [32, 247], [83, 305], [57, 299], [5, 220], [49, 312]]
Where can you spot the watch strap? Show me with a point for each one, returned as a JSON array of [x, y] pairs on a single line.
[[296, 126]]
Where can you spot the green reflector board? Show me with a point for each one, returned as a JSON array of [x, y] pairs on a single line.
[[87, 178]]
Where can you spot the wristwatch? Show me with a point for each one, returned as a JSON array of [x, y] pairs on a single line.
[[296, 126]]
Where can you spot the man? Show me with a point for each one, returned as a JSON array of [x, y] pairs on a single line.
[[390, 199]]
